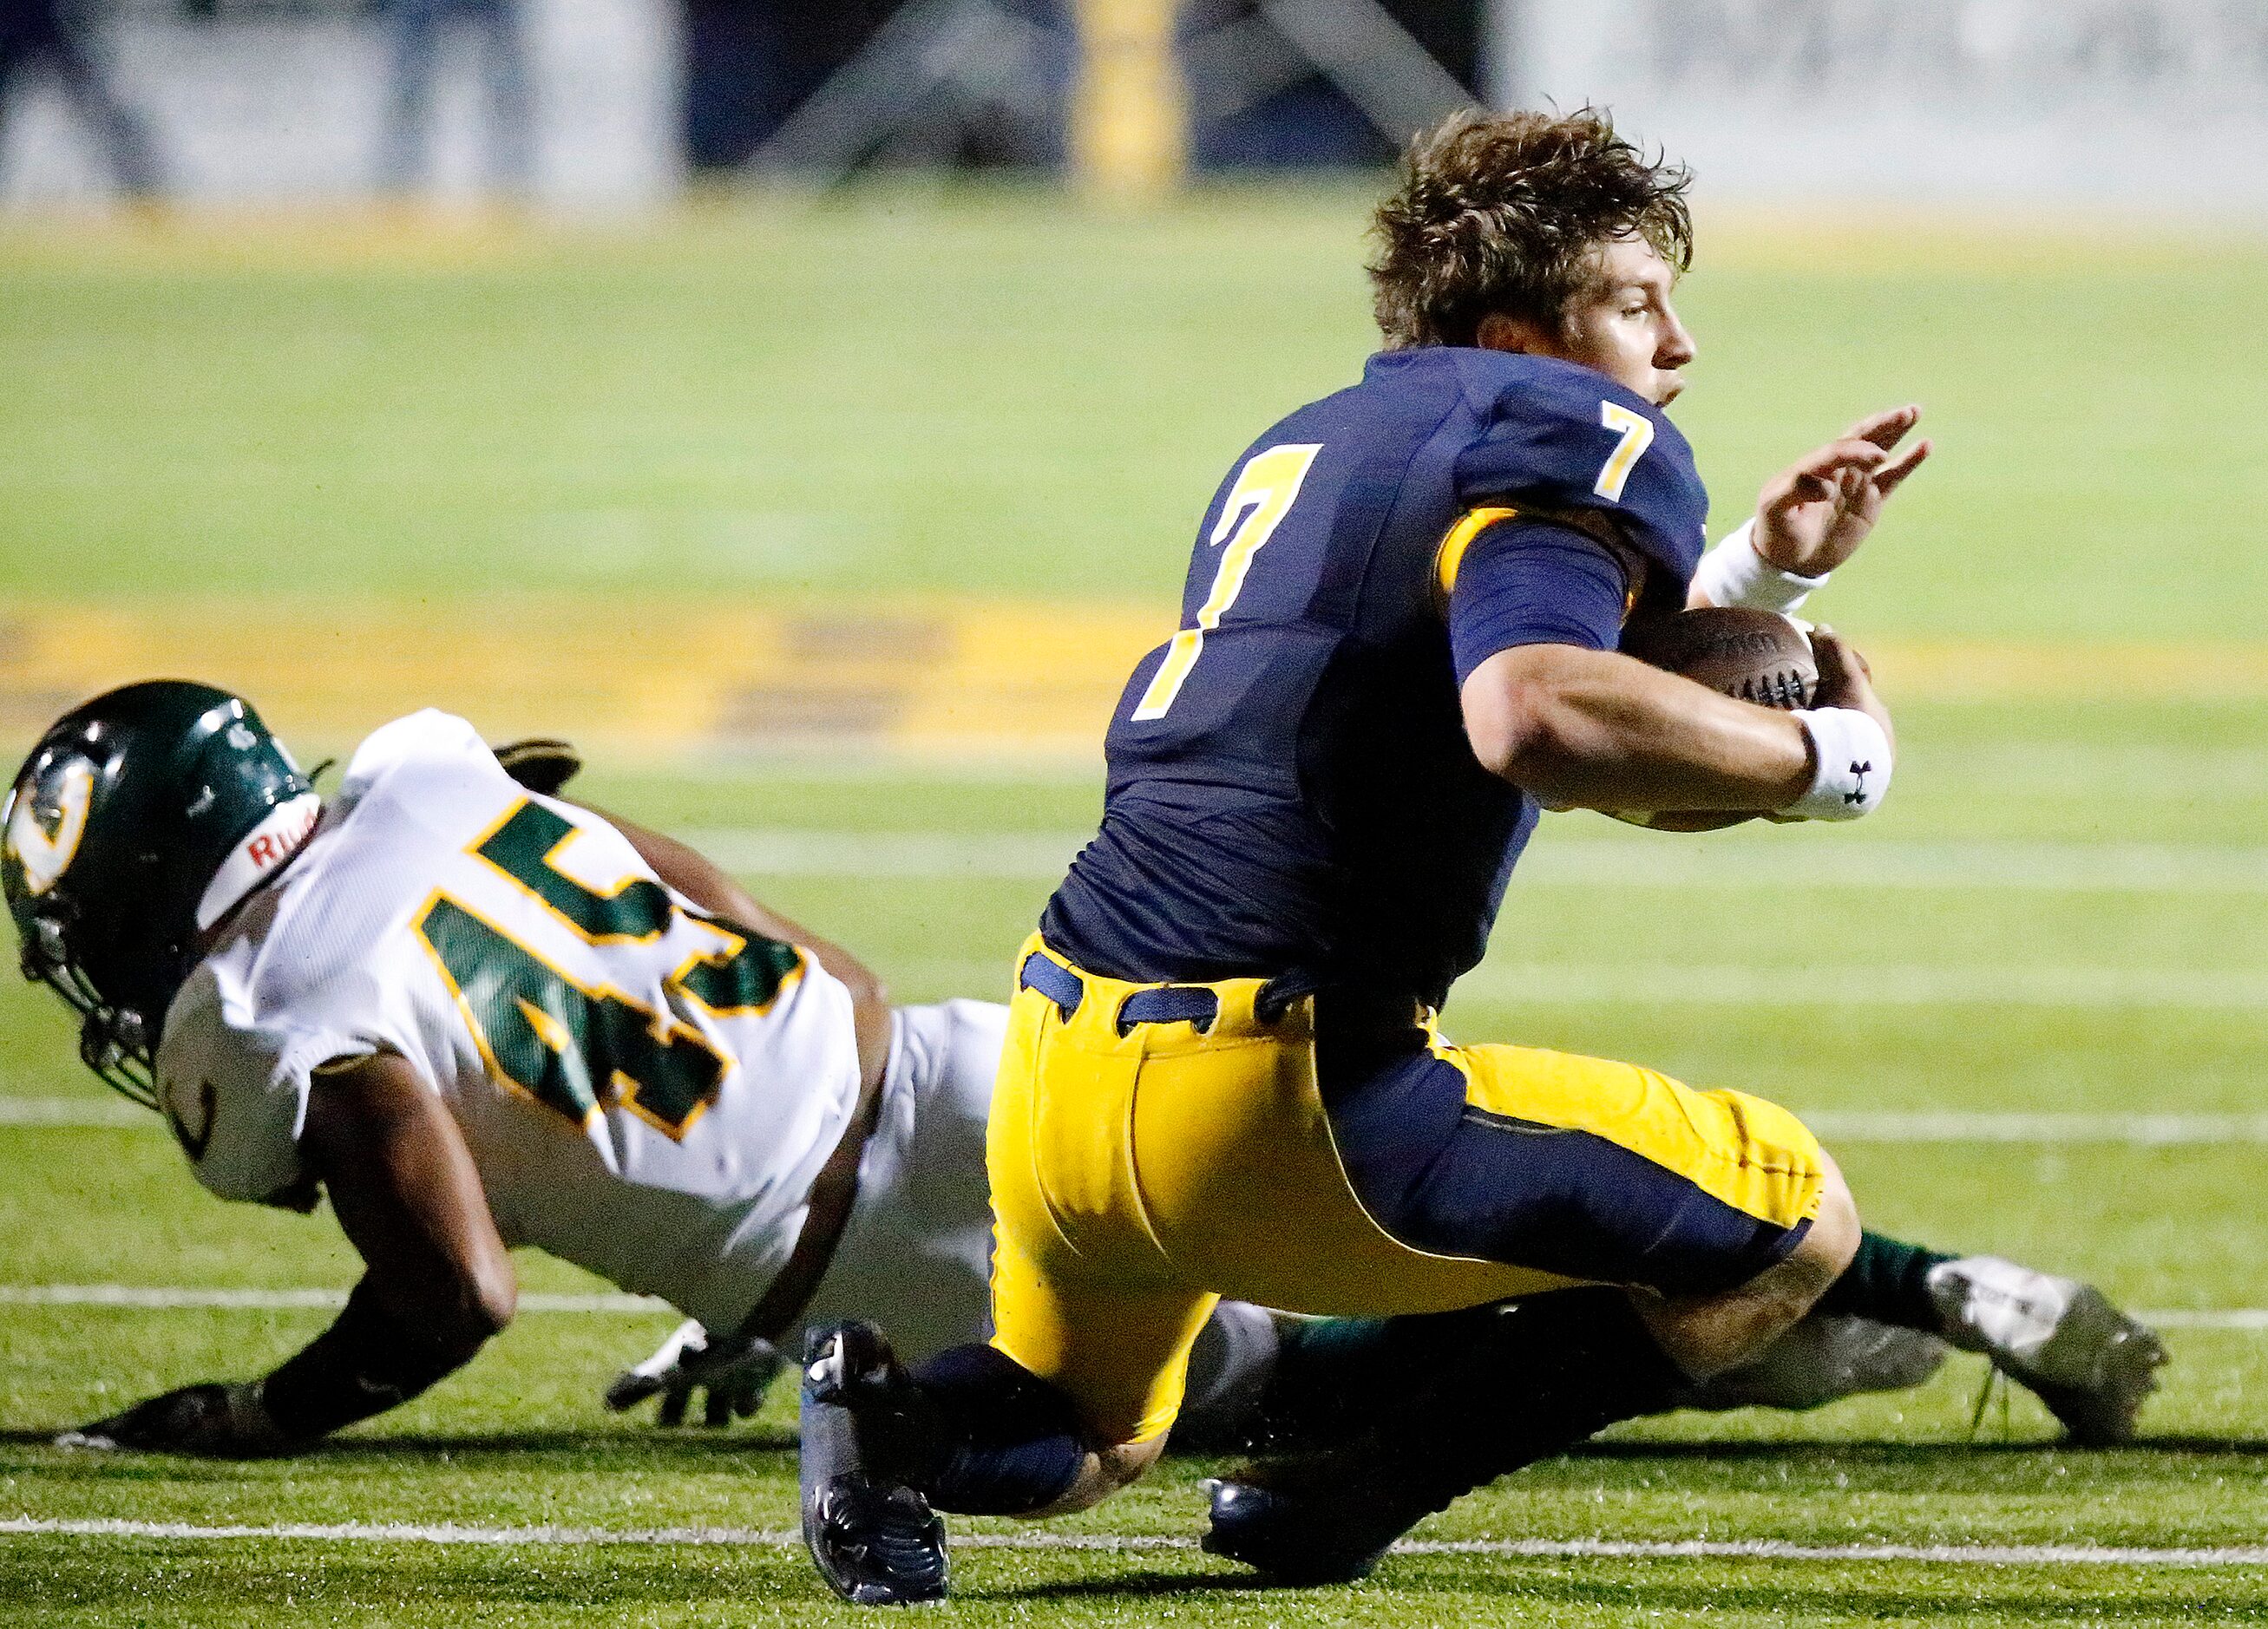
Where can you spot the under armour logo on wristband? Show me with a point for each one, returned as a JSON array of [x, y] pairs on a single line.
[[1850, 765]]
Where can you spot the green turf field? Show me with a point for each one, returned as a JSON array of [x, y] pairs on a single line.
[[2025, 1002]]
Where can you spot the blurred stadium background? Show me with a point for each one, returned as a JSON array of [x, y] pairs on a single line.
[[806, 407]]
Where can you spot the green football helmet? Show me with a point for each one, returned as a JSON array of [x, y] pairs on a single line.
[[140, 818]]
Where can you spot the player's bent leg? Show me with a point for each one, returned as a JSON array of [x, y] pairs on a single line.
[[1719, 1212], [1070, 1400], [1532, 1377], [1597, 1170], [1707, 1334], [1536, 1378]]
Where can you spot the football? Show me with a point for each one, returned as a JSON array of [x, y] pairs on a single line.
[[1756, 655], [1752, 656]]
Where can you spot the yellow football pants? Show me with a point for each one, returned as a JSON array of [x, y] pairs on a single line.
[[1138, 1177]]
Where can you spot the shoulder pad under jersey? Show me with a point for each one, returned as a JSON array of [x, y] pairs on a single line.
[[1567, 437], [430, 736]]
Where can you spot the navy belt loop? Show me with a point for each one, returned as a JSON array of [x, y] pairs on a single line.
[[1053, 980], [1169, 1004]]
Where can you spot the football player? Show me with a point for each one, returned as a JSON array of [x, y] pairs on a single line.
[[476, 1016], [1222, 1073], [479, 1015]]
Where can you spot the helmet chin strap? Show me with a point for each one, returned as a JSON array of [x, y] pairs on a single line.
[[257, 855]]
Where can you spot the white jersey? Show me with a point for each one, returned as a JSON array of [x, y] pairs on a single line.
[[646, 1091]]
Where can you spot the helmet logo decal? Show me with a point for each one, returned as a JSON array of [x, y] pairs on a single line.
[[46, 855], [257, 853], [193, 1143]]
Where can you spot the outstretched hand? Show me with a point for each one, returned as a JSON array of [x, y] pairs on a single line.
[[1813, 513], [734, 1374], [218, 1421]]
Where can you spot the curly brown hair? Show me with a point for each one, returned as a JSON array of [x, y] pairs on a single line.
[[1507, 212]]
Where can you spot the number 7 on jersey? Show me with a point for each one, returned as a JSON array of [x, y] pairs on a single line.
[[1263, 493]]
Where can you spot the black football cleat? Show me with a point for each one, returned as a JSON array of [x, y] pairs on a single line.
[[1310, 1530], [875, 1545], [874, 1539]]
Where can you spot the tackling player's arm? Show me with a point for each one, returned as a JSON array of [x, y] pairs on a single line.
[[1550, 707], [546, 764], [439, 1282], [735, 1372], [706, 883]]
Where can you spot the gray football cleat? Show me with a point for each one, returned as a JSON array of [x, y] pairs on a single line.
[[1822, 1357], [2060, 1340]]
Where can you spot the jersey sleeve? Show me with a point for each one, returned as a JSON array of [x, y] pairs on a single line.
[[1527, 582], [1558, 437], [234, 1090]]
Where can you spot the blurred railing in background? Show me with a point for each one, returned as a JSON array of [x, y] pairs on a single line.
[[597, 104]]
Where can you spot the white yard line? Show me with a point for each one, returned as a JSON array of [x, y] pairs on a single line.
[[2247, 1320], [1559, 859], [165, 1298], [2140, 1130], [77, 1114], [1532, 1549]]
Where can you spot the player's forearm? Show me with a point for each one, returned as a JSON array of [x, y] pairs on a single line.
[[369, 1361], [1593, 729], [439, 1281]]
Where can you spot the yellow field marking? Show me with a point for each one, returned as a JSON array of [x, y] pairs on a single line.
[[160, 238], [415, 236], [966, 676], [662, 678], [2049, 670]]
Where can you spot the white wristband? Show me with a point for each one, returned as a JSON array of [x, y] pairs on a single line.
[[1734, 574], [1850, 765]]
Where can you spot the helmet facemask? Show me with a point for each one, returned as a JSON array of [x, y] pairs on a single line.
[[112, 1041]]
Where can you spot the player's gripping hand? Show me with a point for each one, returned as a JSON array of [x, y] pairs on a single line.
[[1813, 513], [219, 1421], [1845, 680], [733, 1373]]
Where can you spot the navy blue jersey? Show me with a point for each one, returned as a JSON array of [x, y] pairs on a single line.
[[1291, 790]]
